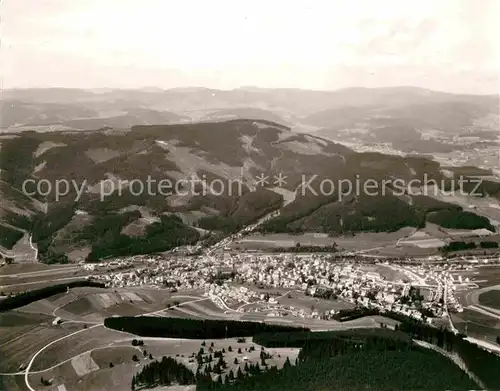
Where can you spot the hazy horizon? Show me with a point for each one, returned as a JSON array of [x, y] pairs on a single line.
[[449, 45], [139, 88]]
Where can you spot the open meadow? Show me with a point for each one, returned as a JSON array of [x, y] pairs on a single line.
[[300, 301], [94, 372], [491, 298], [21, 342], [86, 341], [477, 325], [75, 351], [17, 278]]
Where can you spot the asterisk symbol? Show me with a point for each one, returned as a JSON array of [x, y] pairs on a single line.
[[262, 180], [280, 180]]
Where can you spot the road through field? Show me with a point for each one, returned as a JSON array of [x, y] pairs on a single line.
[[27, 371], [472, 302], [30, 364], [197, 299], [50, 272], [472, 298], [485, 311], [43, 281], [453, 357]]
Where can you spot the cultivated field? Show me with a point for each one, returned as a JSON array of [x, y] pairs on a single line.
[[478, 325], [68, 348], [93, 305], [92, 371], [301, 301], [84, 364], [360, 241], [381, 243], [27, 281], [20, 343], [97, 358], [64, 378], [484, 276], [385, 271], [17, 268], [12, 383], [22, 277], [81, 361], [115, 355], [490, 298]]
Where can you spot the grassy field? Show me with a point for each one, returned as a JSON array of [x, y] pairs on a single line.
[[98, 337], [12, 383], [478, 325], [490, 299], [301, 301], [20, 343], [178, 313], [386, 272], [13, 319], [183, 351], [39, 283], [83, 361], [22, 277], [16, 268], [99, 305], [28, 279], [484, 276], [19, 331], [107, 379], [119, 377], [95, 304], [202, 310], [360, 241], [208, 310], [115, 355], [383, 244], [59, 375]]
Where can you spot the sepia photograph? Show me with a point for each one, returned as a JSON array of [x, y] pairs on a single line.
[[249, 196]]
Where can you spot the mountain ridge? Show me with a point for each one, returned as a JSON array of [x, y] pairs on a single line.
[[218, 152]]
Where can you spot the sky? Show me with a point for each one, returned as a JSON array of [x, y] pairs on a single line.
[[448, 45]]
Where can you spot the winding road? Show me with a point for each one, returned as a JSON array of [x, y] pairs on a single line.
[[27, 371], [30, 364]]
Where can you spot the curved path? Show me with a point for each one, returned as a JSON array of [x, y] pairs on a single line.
[[30, 364], [27, 371], [472, 302], [472, 298], [453, 357]]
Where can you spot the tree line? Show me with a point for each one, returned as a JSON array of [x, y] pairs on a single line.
[[9, 236], [482, 363], [26, 298], [460, 220], [300, 248], [163, 373], [351, 360], [150, 326], [335, 360], [301, 339], [107, 239], [461, 246]]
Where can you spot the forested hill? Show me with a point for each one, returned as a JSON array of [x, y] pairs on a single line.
[[135, 218]]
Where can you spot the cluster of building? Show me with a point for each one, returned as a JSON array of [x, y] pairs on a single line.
[[118, 264], [228, 295], [227, 279]]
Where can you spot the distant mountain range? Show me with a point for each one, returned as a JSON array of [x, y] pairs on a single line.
[[410, 119]]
